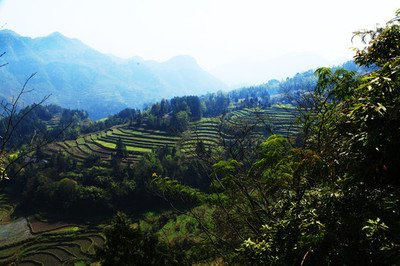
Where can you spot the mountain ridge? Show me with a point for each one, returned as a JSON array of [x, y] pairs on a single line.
[[80, 77]]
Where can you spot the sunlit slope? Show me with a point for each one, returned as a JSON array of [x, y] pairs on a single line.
[[211, 131], [260, 124], [138, 141]]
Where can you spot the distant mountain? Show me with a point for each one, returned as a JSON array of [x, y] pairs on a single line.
[[80, 77]]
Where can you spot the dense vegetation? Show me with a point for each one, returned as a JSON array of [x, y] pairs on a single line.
[[334, 200], [230, 178]]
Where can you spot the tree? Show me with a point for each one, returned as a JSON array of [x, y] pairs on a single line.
[[180, 121], [333, 201], [11, 118], [126, 244], [374, 114], [121, 150], [352, 129]]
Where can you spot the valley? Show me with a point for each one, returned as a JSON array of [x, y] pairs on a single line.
[[38, 241], [154, 162]]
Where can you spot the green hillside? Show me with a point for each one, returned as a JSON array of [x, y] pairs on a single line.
[[137, 140], [141, 140]]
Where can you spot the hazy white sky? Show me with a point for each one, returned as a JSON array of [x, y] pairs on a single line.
[[215, 32]]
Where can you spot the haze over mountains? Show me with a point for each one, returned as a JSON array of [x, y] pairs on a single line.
[[80, 77], [249, 72]]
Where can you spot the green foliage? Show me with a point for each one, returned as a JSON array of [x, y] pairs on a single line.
[[313, 205], [382, 44], [186, 232], [185, 194], [174, 115], [334, 199], [227, 168], [126, 244], [3, 174], [284, 200], [377, 234], [272, 150], [121, 150], [225, 173], [181, 121], [350, 173]]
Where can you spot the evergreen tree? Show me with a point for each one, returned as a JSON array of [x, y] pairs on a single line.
[[121, 151]]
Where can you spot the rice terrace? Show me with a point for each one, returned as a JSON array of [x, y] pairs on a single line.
[[199, 132], [142, 140]]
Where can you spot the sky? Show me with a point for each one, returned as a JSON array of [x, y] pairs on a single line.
[[226, 37]]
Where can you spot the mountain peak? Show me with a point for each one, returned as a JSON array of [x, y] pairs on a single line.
[[56, 35], [58, 41], [79, 77], [9, 32], [182, 61]]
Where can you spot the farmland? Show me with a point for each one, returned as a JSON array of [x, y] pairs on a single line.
[[34, 242], [138, 141], [141, 140], [211, 131]]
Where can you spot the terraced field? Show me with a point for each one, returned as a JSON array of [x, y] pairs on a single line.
[[53, 250], [138, 141], [35, 241], [279, 120], [206, 130], [58, 245], [211, 131], [53, 122], [6, 209]]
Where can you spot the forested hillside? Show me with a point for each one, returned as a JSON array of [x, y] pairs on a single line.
[[302, 171]]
